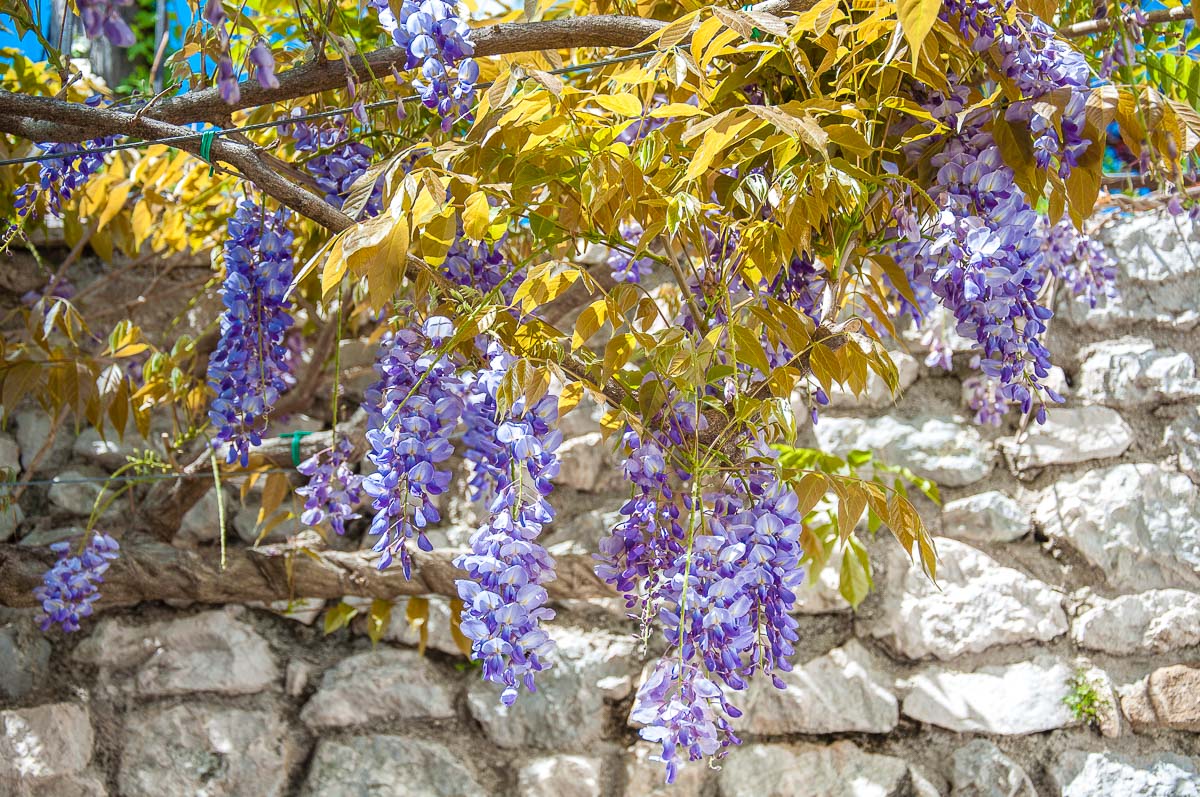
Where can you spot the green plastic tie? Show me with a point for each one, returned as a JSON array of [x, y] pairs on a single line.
[[295, 444], [206, 142], [755, 33]]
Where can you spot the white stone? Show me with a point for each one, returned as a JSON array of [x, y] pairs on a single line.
[[951, 453], [1159, 278], [79, 785], [395, 766], [1132, 372], [1005, 700], [1071, 435], [208, 652], [989, 517], [1140, 524], [560, 776], [302, 610], [877, 394], [381, 685], [981, 769], [112, 450], [975, 604], [1079, 773], [839, 770], [567, 711], [844, 691], [44, 741], [215, 751], [1157, 621]]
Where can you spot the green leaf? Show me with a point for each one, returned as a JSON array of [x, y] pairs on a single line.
[[339, 617], [855, 582]]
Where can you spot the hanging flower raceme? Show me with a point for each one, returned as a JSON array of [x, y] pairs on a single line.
[[514, 457], [103, 18], [337, 163], [334, 489], [481, 266], [59, 178], [412, 411], [625, 267], [247, 369], [438, 40], [1080, 261], [69, 589]]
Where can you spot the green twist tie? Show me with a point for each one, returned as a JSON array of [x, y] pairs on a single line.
[[755, 33], [295, 444], [206, 142]]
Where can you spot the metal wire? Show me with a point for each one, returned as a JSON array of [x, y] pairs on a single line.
[[374, 106]]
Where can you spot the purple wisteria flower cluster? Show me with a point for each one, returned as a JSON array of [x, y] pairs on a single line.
[[59, 178], [1080, 261], [412, 411], [482, 266], [337, 163], [103, 18], [248, 367], [260, 56], [69, 589], [514, 458], [438, 40], [333, 490], [717, 568]]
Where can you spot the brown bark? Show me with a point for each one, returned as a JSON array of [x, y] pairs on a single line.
[[154, 571]]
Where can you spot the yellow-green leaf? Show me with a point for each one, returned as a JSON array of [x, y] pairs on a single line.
[[623, 104], [917, 18], [476, 216]]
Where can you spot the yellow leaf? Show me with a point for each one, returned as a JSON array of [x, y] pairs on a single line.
[[569, 398], [274, 491], [623, 104], [917, 18], [438, 235], [335, 269], [114, 204], [589, 322], [675, 110], [476, 215]]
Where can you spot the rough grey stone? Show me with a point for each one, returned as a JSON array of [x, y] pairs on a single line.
[[985, 517], [209, 652], [10, 455], [302, 610], [44, 741], [1006, 700], [560, 776], [567, 711], [1168, 698], [975, 604], [46, 537], [84, 785], [821, 591], [1151, 622], [585, 464], [839, 770], [1159, 281], [1183, 438], [382, 684], [24, 658], [396, 766], [112, 450], [245, 521], [1079, 773], [981, 769], [202, 523], [844, 691], [645, 774], [1133, 372], [1140, 524], [1071, 435], [437, 624], [194, 749], [949, 452], [71, 491], [33, 429], [11, 516]]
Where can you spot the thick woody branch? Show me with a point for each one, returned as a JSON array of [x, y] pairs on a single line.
[[1080, 29], [206, 105], [105, 121], [154, 571]]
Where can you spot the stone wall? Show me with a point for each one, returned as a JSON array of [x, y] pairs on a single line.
[[1070, 567]]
